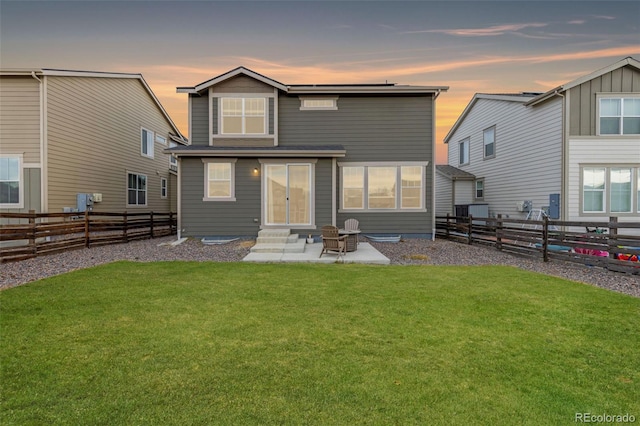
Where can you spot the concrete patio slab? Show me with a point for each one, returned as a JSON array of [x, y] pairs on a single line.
[[366, 253]]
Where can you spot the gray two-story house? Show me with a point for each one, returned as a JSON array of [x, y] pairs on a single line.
[[268, 155]]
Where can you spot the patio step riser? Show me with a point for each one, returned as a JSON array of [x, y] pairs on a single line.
[[274, 233], [277, 240], [290, 247]]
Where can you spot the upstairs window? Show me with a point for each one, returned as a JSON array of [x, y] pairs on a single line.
[[243, 116], [489, 139], [173, 161], [161, 139], [619, 116], [463, 148], [315, 103], [146, 143]]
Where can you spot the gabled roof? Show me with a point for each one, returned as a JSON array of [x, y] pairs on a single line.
[[521, 97], [555, 91], [454, 173], [299, 89], [34, 72], [230, 74]]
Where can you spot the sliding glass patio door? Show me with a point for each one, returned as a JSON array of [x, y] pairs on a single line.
[[287, 189]]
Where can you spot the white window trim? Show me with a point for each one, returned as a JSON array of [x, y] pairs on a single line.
[[221, 132], [635, 190], [146, 190], [632, 189], [398, 203], [475, 189], [161, 139], [21, 183], [334, 100], [484, 143], [150, 147], [231, 161], [621, 96], [164, 189], [466, 141]]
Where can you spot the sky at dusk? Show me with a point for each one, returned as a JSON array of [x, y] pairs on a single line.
[[473, 47]]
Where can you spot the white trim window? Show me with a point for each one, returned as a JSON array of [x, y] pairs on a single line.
[[146, 143], [593, 189], [136, 190], [463, 151], [243, 116], [163, 187], [489, 142], [313, 103], [382, 187], [11, 182], [620, 195], [619, 115], [161, 139], [479, 189], [219, 180], [173, 161], [610, 190]]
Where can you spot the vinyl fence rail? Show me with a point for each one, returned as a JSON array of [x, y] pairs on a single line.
[[609, 244], [27, 235]]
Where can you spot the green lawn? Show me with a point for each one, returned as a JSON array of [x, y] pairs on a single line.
[[229, 343]]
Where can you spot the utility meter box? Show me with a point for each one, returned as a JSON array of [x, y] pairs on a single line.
[[84, 202], [554, 206]]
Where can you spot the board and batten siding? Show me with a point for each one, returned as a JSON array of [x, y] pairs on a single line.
[[94, 139], [583, 103], [20, 117], [528, 152]]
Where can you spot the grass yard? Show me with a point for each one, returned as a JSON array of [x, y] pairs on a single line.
[[227, 343]]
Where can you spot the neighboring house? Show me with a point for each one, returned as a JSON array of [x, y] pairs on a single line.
[[454, 187], [268, 155], [64, 133], [574, 150]]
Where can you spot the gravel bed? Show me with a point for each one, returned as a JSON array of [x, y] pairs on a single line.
[[407, 252]]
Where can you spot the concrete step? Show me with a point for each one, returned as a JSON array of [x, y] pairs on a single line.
[[270, 233], [296, 246], [292, 238]]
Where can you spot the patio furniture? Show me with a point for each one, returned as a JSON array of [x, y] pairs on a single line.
[[351, 229], [333, 241]]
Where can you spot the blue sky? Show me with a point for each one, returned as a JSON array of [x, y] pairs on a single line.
[[477, 46]]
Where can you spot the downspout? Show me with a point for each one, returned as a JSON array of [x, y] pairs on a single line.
[[179, 198], [564, 159], [42, 154], [433, 169]]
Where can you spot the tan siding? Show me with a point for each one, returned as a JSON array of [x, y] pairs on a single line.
[[242, 84], [20, 117], [583, 113], [94, 133]]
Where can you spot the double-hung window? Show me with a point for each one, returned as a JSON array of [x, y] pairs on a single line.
[[10, 182], [173, 161], [619, 115], [243, 116], [146, 143], [479, 190], [382, 187], [593, 189], [463, 151], [620, 196], [163, 187], [489, 142], [219, 180], [136, 189]]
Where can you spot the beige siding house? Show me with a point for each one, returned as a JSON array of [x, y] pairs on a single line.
[[579, 142], [64, 133]]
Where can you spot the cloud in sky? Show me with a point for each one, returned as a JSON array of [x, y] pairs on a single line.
[[495, 30]]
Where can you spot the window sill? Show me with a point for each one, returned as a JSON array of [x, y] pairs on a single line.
[[136, 206], [382, 210], [225, 199], [241, 136]]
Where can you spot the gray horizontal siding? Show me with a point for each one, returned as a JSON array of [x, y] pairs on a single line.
[[210, 218], [199, 120], [371, 128]]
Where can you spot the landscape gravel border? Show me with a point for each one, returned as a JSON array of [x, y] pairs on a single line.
[[407, 252]]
